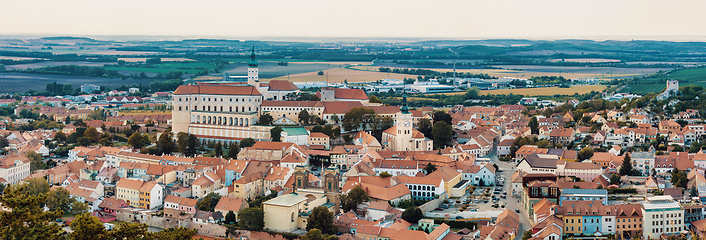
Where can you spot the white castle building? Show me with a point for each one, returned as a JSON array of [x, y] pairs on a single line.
[[671, 90]]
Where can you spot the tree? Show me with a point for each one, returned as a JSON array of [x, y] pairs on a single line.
[[335, 118], [374, 99], [136, 140], [585, 153], [615, 179], [626, 167], [321, 218], [86, 226], [533, 125], [208, 202], [78, 207], [425, 127], [36, 186], [165, 143], [527, 235], [180, 233], [442, 134], [248, 142], [182, 138], [412, 215], [693, 192], [355, 196], [276, 134], [472, 93], [251, 219], [230, 217], [357, 118], [219, 149], [429, 168], [320, 73], [127, 230], [59, 199], [265, 120], [233, 150], [191, 145], [146, 139], [304, 117], [315, 234], [58, 137], [679, 178], [442, 116], [385, 175], [35, 161], [29, 220]]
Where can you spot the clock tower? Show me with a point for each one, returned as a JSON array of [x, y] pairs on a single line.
[[404, 127]]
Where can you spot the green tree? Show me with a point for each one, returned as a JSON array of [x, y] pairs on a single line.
[[146, 139], [693, 192], [430, 168], [59, 199], [180, 233], [472, 93], [78, 207], [412, 215], [248, 142], [265, 120], [626, 167], [36, 186], [208, 202], [165, 143], [182, 139], [357, 118], [28, 220], [315, 234], [191, 143], [321, 218], [35, 161], [251, 219], [60, 137], [385, 175], [443, 116], [585, 153], [615, 179], [304, 117], [533, 125], [233, 150], [425, 127], [219, 149], [679, 178], [230, 217], [320, 73], [136, 140], [527, 235], [127, 230], [276, 134], [442, 133], [374, 99], [86, 226], [355, 196]]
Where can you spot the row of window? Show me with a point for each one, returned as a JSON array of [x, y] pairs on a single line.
[[634, 226], [230, 121], [668, 215], [222, 99], [670, 229]]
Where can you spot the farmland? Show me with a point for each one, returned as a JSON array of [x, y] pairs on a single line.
[[185, 67], [529, 71], [51, 64], [548, 91], [656, 83], [337, 75], [20, 82]]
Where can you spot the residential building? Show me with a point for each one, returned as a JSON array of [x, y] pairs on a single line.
[[662, 217]]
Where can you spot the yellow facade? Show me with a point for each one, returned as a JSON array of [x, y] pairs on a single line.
[[572, 224], [130, 196]]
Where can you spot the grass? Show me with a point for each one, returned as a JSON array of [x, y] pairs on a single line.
[[186, 67], [549, 91], [689, 76], [337, 75]]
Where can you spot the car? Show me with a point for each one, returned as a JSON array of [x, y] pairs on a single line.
[[485, 201], [439, 209], [474, 210], [517, 210]]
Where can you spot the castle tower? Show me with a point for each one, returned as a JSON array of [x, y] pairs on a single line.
[[672, 85], [301, 177], [404, 127], [253, 70]]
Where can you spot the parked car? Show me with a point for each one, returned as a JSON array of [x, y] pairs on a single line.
[[439, 209]]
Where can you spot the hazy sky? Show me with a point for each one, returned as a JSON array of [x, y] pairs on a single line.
[[547, 19]]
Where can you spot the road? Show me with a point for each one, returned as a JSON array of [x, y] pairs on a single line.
[[507, 169]]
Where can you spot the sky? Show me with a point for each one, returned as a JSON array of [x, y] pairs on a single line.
[[434, 19]]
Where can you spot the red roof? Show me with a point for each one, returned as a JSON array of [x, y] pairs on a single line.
[[282, 85], [217, 90]]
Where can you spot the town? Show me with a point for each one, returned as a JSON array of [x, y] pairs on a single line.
[[239, 157]]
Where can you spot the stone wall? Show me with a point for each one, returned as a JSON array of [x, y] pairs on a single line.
[[433, 204]]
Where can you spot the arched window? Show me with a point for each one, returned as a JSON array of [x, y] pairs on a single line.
[[246, 122], [231, 121]]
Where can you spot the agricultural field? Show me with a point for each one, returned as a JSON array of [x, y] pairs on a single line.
[[585, 60], [21, 82], [51, 64], [18, 58], [529, 71], [337, 75], [186, 67], [689, 76], [270, 69], [548, 91], [138, 59]]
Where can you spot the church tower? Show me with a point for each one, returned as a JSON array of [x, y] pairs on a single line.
[[404, 127], [253, 70]]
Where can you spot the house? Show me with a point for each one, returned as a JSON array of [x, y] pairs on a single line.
[[227, 204], [317, 138], [209, 182], [174, 205], [111, 205], [538, 163], [139, 194]]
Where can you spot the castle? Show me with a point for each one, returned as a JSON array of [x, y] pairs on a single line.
[[671, 90]]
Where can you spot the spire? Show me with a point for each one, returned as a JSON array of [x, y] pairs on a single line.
[[404, 108], [253, 62]]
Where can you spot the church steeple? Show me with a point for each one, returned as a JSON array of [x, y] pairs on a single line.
[[404, 108], [253, 62]]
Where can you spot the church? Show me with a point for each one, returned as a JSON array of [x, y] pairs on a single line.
[[403, 136]]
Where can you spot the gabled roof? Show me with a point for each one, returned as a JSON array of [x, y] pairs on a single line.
[[281, 85], [229, 204]]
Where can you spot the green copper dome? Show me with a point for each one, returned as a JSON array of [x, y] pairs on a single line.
[[253, 62], [404, 108]]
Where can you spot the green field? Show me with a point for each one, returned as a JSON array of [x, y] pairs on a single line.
[[690, 76], [185, 67]]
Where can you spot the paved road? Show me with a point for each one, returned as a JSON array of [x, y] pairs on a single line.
[[512, 203]]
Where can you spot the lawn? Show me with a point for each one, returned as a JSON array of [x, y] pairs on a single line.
[[185, 67], [548, 91]]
